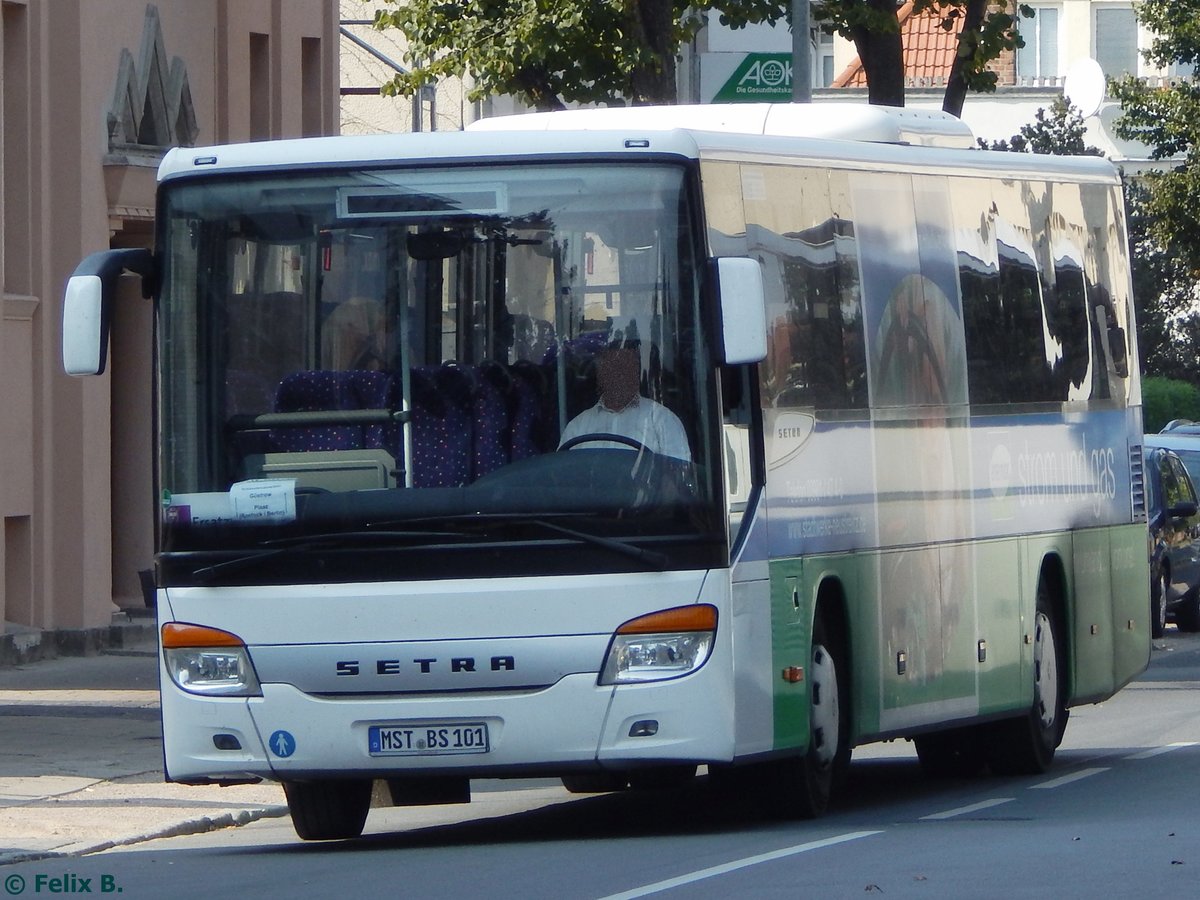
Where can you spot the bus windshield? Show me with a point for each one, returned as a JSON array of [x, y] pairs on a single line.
[[368, 371]]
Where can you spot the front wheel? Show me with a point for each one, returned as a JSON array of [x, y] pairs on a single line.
[[328, 810], [1026, 746], [803, 784]]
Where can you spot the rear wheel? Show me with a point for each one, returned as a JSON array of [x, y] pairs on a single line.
[[328, 810], [1026, 746]]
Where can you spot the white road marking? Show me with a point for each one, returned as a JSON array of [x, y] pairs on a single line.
[[1067, 779], [963, 810], [714, 871], [1158, 751]]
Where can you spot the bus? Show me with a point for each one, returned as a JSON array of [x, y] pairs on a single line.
[[886, 483]]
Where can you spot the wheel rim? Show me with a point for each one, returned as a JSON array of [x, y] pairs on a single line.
[[1045, 663], [1160, 610], [824, 714]]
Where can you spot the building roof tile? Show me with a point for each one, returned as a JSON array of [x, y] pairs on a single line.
[[930, 43]]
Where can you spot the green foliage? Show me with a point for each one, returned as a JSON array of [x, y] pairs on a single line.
[[1164, 240], [1060, 132], [552, 52], [1164, 399], [1164, 296], [1168, 121], [846, 17]]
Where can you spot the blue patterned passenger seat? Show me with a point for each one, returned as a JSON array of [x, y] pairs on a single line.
[[441, 426], [467, 421], [326, 390], [313, 392]]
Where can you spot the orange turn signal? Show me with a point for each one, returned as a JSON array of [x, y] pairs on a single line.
[[697, 617], [182, 634]]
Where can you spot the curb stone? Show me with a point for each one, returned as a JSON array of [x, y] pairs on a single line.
[[190, 826]]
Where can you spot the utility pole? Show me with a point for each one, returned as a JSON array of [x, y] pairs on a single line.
[[801, 53]]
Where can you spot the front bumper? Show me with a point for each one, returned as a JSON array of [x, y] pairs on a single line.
[[574, 724]]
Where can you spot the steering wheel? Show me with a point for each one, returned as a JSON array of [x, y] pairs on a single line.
[[598, 437]]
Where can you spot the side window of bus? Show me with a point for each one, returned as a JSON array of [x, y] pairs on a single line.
[[816, 354], [1011, 332], [979, 284], [1108, 303], [1084, 370], [1008, 313], [739, 462], [914, 320], [723, 208], [848, 386], [1067, 308]]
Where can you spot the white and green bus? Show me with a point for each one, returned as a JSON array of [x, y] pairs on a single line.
[[876, 473]]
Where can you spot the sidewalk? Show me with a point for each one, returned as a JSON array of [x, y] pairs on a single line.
[[81, 761]]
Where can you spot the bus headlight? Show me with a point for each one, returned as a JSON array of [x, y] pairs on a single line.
[[661, 645], [208, 661]]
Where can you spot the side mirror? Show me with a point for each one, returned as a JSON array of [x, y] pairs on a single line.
[[743, 308], [87, 306]]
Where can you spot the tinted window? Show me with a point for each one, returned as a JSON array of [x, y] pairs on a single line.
[[816, 354], [910, 290], [1022, 295], [1107, 281], [1066, 309]]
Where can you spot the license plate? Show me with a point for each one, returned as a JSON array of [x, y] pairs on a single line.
[[428, 739]]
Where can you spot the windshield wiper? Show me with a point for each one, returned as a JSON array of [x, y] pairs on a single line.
[[283, 546], [651, 558]]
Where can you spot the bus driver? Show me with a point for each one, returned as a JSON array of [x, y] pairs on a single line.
[[622, 412]]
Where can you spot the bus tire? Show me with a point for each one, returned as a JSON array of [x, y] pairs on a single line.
[[1025, 746], [328, 810], [804, 783]]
